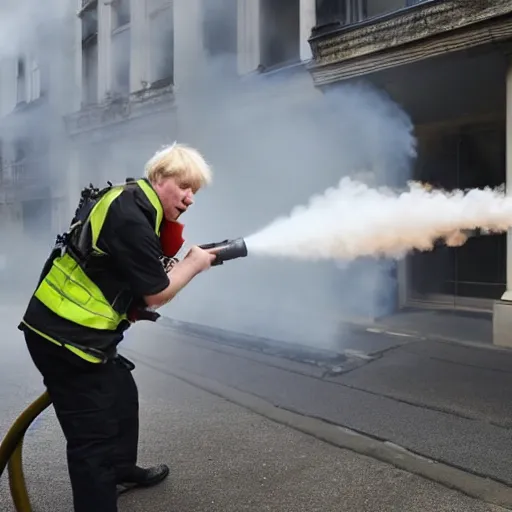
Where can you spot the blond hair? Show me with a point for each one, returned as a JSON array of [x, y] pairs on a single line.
[[181, 161]]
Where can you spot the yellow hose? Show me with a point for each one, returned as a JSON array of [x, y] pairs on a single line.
[[17, 483], [11, 450]]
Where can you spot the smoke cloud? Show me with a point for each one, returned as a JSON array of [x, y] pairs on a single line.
[[274, 141], [34, 27], [35, 44], [355, 220]]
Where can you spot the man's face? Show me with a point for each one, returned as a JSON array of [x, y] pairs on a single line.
[[176, 195]]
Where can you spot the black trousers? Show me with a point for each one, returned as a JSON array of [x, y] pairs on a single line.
[[98, 409]]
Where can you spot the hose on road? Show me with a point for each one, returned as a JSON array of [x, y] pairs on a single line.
[[11, 452]]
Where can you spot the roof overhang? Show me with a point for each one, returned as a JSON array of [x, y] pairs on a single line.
[[423, 31]]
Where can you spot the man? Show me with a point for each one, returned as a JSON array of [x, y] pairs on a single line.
[[109, 262]]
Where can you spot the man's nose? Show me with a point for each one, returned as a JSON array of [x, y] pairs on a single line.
[[189, 199]]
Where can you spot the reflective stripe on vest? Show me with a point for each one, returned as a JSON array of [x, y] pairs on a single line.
[[69, 292], [84, 355]]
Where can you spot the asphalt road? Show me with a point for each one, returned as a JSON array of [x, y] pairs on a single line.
[[226, 457], [448, 403]]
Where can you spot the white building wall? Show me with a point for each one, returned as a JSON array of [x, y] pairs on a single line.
[[248, 35], [62, 82], [189, 54], [58, 72], [307, 22]]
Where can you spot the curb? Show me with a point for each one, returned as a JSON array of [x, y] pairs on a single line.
[[477, 487], [388, 330], [354, 326]]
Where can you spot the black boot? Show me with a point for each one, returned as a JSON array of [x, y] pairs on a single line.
[[140, 477]]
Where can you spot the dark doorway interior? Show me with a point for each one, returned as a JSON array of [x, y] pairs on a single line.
[[465, 157]]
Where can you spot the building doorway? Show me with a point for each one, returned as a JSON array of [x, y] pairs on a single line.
[[473, 276]]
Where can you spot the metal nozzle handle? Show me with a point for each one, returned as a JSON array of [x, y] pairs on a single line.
[[228, 250]]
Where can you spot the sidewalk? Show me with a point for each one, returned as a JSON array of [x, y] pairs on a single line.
[[441, 325]]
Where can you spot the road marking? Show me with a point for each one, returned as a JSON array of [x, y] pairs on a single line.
[[358, 354], [402, 334], [390, 333]]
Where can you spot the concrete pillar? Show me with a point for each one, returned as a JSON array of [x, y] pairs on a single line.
[[78, 67], [104, 49], [307, 22], [7, 85], [73, 185], [502, 318], [248, 35], [189, 55], [508, 294]]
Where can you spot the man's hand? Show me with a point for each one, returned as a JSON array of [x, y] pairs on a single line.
[[199, 258], [196, 261]]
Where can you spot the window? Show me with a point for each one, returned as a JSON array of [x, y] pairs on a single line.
[[35, 81], [279, 32], [90, 73], [121, 46], [220, 22], [343, 11], [121, 13], [381, 7], [90, 57], [161, 40], [21, 152], [121, 61], [21, 81]]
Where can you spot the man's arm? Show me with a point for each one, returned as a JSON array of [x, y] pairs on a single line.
[[180, 275]]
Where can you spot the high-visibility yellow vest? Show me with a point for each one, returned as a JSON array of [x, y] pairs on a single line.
[[69, 292]]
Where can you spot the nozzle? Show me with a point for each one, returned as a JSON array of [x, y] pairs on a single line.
[[227, 250]]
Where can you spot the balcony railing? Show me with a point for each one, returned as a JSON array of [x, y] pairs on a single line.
[[118, 109], [25, 179]]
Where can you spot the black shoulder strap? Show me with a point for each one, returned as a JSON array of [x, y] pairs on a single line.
[[88, 198]]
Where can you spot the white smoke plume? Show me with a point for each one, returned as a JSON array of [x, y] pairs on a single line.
[[23, 24], [354, 220]]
